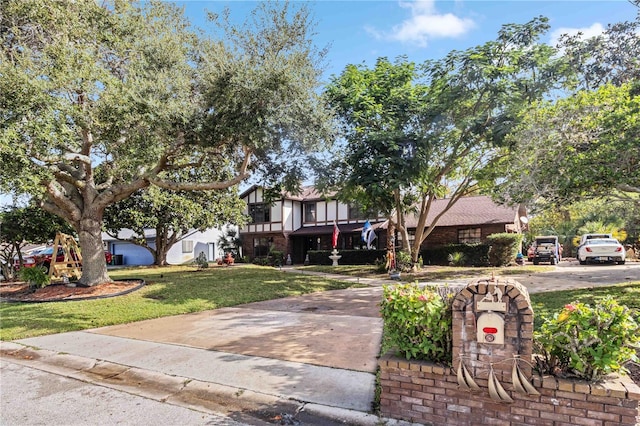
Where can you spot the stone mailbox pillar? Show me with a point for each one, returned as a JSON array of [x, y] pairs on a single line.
[[493, 337]]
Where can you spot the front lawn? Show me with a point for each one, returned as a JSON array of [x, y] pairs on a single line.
[[431, 273], [169, 291], [548, 303]]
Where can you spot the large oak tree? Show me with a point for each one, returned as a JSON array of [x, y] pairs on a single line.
[[99, 101]]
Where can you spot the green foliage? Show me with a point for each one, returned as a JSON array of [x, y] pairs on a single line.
[[276, 257], [412, 130], [36, 276], [201, 261], [229, 242], [585, 159], [504, 247], [475, 254], [457, 258], [148, 100], [173, 215], [417, 321], [403, 261], [589, 342]]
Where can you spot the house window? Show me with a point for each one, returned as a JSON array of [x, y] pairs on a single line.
[[310, 212], [356, 212], [187, 246], [469, 236], [259, 213], [261, 246]]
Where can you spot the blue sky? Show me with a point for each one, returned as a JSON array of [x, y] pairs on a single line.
[[362, 31]]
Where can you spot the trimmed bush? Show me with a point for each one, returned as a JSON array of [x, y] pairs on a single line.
[[504, 248], [475, 254], [417, 321]]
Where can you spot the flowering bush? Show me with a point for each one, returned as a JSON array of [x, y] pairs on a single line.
[[417, 321], [588, 342]]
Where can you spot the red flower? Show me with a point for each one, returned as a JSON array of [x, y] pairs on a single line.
[[569, 307]]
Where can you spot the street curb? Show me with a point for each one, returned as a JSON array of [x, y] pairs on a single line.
[[211, 398]]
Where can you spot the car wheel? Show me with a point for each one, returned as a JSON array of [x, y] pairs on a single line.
[[621, 262], [536, 261], [554, 261], [582, 262], [45, 266]]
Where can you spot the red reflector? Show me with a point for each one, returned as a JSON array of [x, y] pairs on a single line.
[[619, 249], [588, 249], [490, 330]]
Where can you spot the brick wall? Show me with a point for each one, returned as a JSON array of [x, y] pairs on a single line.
[[443, 235], [423, 392]]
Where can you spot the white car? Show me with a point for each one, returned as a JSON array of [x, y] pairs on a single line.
[[601, 250]]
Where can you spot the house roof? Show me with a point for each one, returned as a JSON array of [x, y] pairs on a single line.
[[307, 193], [476, 210]]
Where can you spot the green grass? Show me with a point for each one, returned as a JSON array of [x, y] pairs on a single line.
[[437, 273], [548, 303], [169, 291], [178, 290]]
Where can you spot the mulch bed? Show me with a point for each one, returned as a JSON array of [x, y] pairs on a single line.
[[19, 291]]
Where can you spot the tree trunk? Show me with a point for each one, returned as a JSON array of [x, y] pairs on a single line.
[[160, 252], [94, 266]]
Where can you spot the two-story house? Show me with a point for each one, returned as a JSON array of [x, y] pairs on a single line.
[[295, 224]]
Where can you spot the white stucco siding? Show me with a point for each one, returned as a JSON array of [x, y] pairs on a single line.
[[331, 211], [276, 212], [343, 212], [287, 215], [321, 211]]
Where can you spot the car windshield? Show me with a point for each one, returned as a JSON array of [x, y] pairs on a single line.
[[602, 241], [48, 250]]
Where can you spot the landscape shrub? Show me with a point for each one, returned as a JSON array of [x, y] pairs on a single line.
[[403, 261], [475, 254], [503, 248], [588, 342], [417, 321], [36, 276], [201, 261], [457, 258]]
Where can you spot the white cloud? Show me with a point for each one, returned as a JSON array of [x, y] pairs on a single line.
[[587, 32], [424, 24]]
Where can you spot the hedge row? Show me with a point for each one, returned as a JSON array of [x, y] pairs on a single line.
[[501, 250], [474, 254]]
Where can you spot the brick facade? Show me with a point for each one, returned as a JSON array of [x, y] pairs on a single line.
[[427, 393]]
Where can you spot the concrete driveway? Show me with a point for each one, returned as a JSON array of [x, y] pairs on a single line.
[[569, 275]]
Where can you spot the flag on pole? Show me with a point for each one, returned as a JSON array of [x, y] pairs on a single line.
[[365, 229], [372, 236], [367, 234], [336, 232]]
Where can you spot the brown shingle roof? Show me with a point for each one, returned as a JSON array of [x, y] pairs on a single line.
[[475, 210]]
